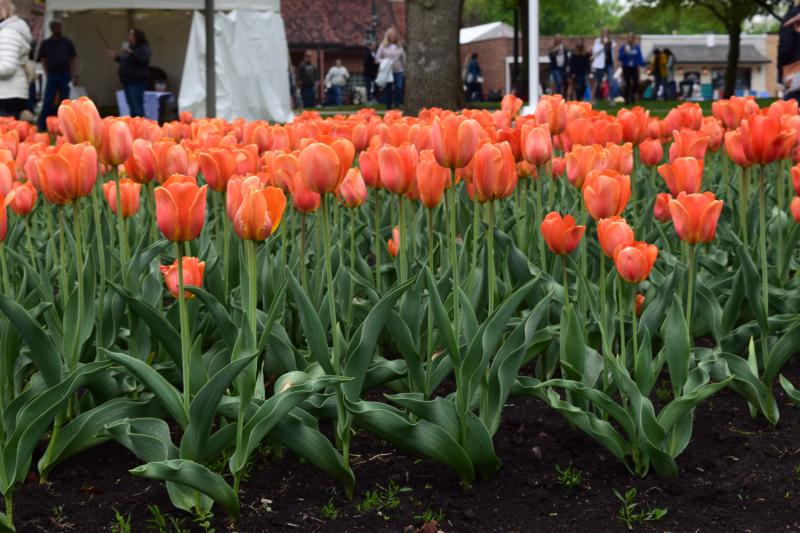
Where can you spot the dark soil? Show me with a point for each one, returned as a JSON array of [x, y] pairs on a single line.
[[737, 474]]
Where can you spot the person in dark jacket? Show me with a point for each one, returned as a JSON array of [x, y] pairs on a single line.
[[630, 57], [58, 57], [134, 70], [370, 72], [579, 66], [789, 49]]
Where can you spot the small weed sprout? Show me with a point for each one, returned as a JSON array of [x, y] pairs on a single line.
[[330, 511], [570, 477], [631, 513]]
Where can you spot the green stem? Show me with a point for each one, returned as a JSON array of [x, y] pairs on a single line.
[[475, 228], [429, 362], [326, 242], [101, 258], [226, 250], [4, 266], [31, 253], [762, 237], [303, 275], [378, 240], [185, 338], [744, 197], [537, 188], [62, 270], [781, 209], [151, 207], [52, 231], [603, 317], [452, 207], [490, 257], [403, 251], [692, 275], [349, 321], [123, 238], [565, 280], [9, 499], [621, 308], [76, 213], [634, 331]]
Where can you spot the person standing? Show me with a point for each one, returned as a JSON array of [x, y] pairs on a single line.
[[603, 63], [15, 45], [134, 69], [789, 53], [669, 74], [307, 72], [630, 57], [58, 58], [392, 49], [336, 80], [655, 69], [579, 66], [472, 79], [370, 72], [559, 62]]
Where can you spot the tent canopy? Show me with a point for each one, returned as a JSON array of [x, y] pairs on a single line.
[[96, 26]]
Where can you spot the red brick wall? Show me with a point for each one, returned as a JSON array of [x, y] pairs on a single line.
[[492, 59]]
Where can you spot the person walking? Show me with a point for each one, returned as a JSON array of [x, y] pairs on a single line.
[[579, 67], [789, 53], [669, 74], [630, 57], [336, 82], [472, 79], [392, 49], [603, 63], [307, 73], [559, 63], [134, 69], [58, 58], [370, 72], [15, 45]]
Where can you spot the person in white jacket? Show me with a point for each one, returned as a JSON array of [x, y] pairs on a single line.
[[15, 44], [603, 53]]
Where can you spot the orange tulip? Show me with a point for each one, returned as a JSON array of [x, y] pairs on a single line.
[[180, 208], [695, 216], [606, 193], [454, 140], [688, 143], [53, 127], [635, 261], [713, 128], [432, 179], [393, 244], [763, 139], [80, 121], [245, 160], [536, 144], [651, 152], [561, 234], [319, 167], [618, 157], [130, 196], [495, 172], [193, 272], [735, 149], [526, 170], [257, 210], [552, 110], [732, 111], [68, 173], [688, 115], [795, 208], [684, 174], [304, 200], [8, 171], [283, 168], [661, 207], [3, 218], [352, 190], [22, 198], [613, 232], [796, 178], [639, 304], [346, 152], [217, 166], [396, 167], [117, 143], [511, 104], [634, 123], [580, 161], [558, 166], [370, 171]]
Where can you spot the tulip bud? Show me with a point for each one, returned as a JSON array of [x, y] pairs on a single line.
[[393, 244], [494, 172], [795, 208], [432, 179], [606, 193], [613, 232], [256, 210], [635, 261], [22, 198], [352, 190], [193, 272], [536, 144], [684, 174], [117, 143], [639, 303], [695, 216], [319, 167], [651, 152], [180, 208], [561, 234], [69, 173], [661, 207], [130, 195], [454, 140]]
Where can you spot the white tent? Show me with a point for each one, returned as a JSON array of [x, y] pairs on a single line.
[[252, 75]]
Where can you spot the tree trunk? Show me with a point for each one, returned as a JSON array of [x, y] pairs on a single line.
[[433, 65], [734, 42]]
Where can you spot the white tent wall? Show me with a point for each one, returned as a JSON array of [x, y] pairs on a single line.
[[94, 32], [252, 65]]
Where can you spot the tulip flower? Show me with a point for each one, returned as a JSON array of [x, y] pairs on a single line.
[[651, 152], [795, 208], [80, 122], [454, 140], [639, 304], [688, 143], [393, 244], [217, 166], [634, 124], [606, 193], [396, 167], [69, 173], [661, 207], [560, 233], [613, 232], [3, 226], [352, 190], [370, 170], [735, 149], [494, 173], [634, 261], [695, 216], [22, 198], [687, 115], [536, 144], [684, 174], [346, 152], [180, 208], [552, 111], [117, 142], [304, 200], [558, 165], [193, 272], [259, 211], [796, 178], [732, 111], [713, 129], [764, 140], [618, 157], [319, 166], [432, 179], [580, 161], [130, 194], [511, 104]]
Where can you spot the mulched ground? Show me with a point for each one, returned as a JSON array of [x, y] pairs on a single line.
[[738, 474]]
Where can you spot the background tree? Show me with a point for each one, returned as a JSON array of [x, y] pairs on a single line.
[[433, 66]]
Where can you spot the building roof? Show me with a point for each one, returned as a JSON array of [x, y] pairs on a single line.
[[343, 23], [702, 54], [485, 32], [83, 5]]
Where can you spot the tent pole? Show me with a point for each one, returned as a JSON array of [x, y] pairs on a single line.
[[211, 71], [533, 57]]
